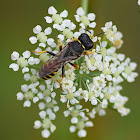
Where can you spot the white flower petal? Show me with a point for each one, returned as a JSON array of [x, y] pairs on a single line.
[[35, 99], [102, 112], [37, 124], [14, 55], [94, 102], [61, 37], [74, 120], [82, 133], [42, 87], [27, 103], [52, 10], [138, 2], [42, 45], [52, 116], [121, 57], [14, 66], [108, 25], [80, 11], [64, 14], [56, 108], [25, 69], [50, 41], [77, 34], [91, 16], [42, 114], [24, 87], [37, 29], [40, 95], [72, 26], [52, 128], [133, 65], [48, 19], [112, 99], [33, 39], [26, 54], [104, 103], [27, 77], [77, 17], [20, 96], [45, 133], [72, 128], [48, 31], [53, 94], [89, 124], [92, 25], [41, 106]]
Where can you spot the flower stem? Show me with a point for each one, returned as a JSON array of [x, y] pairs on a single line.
[[84, 4]]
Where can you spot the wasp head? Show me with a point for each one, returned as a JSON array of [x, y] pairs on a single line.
[[86, 41]]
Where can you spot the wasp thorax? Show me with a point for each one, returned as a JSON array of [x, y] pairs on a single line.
[[86, 41]]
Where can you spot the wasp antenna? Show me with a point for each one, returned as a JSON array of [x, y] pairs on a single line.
[[88, 31], [100, 33]]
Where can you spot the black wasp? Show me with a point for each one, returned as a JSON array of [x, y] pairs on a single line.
[[73, 50]]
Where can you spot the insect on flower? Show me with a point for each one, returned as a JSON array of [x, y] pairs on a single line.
[[73, 50]]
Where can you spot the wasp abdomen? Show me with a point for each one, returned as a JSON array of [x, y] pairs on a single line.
[[46, 71]]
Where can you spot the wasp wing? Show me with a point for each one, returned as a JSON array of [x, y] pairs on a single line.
[[56, 62]]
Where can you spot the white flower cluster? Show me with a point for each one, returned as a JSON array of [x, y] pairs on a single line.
[[97, 80]]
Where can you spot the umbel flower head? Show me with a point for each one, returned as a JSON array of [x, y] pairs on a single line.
[[97, 80]]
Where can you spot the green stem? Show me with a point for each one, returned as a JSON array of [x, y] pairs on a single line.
[[84, 4], [35, 67]]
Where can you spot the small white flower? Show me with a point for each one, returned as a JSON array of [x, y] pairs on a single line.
[[24, 88], [42, 45], [64, 14], [104, 103], [48, 19], [91, 16], [37, 124], [37, 29], [42, 114], [72, 128], [82, 133], [41, 106], [74, 120], [33, 39], [92, 25], [35, 99], [27, 103], [48, 31], [20, 96], [52, 10], [14, 66], [45, 133], [61, 37], [14, 55], [80, 11], [52, 128], [25, 69], [89, 124]]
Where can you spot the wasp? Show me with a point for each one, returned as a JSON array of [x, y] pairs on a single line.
[[72, 51]]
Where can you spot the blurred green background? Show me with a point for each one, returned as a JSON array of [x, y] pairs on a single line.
[[17, 19]]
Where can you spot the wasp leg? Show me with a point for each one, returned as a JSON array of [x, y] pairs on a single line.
[[75, 39], [74, 65], [43, 52], [85, 53], [63, 72], [58, 41]]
